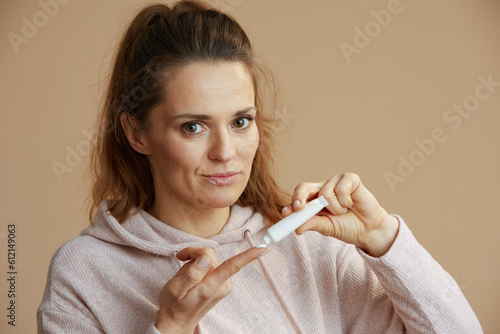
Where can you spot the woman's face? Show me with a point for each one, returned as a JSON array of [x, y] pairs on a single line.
[[204, 137]]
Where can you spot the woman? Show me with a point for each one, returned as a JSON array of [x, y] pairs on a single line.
[[183, 188]]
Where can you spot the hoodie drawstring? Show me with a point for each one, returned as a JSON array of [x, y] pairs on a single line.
[[174, 255], [273, 286]]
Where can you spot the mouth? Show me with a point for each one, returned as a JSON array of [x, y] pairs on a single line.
[[220, 179]]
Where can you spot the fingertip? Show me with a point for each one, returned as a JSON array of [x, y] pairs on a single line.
[[203, 262], [285, 210], [296, 204], [310, 225], [300, 231], [255, 252], [264, 251], [260, 249]]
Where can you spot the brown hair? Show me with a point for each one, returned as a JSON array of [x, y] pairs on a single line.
[[158, 42]]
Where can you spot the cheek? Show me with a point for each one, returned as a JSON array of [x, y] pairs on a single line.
[[177, 156], [249, 147]]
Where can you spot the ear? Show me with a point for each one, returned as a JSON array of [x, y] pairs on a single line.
[[136, 138]]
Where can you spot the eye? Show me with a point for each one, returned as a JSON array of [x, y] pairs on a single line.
[[192, 128], [242, 122]]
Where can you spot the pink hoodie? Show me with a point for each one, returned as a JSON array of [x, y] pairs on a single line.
[[107, 280]]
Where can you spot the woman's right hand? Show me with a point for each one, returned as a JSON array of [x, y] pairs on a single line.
[[198, 286]]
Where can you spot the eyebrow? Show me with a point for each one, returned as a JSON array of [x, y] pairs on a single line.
[[203, 117]]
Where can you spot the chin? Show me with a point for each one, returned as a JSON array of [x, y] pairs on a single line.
[[223, 202], [222, 199]]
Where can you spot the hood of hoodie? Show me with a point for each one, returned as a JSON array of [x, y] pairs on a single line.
[[145, 232]]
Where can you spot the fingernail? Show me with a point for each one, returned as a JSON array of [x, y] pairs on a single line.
[[203, 262], [296, 204], [286, 208], [264, 252]]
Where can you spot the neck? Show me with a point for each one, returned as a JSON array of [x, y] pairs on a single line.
[[201, 222]]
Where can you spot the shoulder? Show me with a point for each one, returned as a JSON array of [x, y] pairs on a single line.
[[66, 265], [80, 254], [77, 248], [69, 270]]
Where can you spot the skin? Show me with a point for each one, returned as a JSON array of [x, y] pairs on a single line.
[[187, 297], [205, 126], [353, 214], [203, 99], [199, 129]]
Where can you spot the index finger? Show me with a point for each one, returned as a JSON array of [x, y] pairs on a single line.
[[193, 253], [304, 192], [233, 265]]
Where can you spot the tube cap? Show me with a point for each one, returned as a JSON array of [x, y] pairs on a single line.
[[323, 201]]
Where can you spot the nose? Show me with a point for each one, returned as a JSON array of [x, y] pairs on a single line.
[[222, 146]]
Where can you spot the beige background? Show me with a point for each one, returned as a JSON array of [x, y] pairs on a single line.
[[361, 116]]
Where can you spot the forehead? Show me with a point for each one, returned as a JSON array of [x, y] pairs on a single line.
[[209, 88]]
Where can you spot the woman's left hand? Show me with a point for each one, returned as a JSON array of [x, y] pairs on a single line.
[[353, 214]]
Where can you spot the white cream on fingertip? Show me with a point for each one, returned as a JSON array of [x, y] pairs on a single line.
[[292, 222]]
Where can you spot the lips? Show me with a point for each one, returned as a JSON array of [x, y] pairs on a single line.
[[220, 179]]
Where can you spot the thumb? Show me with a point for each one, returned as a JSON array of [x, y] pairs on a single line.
[[191, 274], [319, 224]]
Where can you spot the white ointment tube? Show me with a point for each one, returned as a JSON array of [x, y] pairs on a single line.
[[292, 222]]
